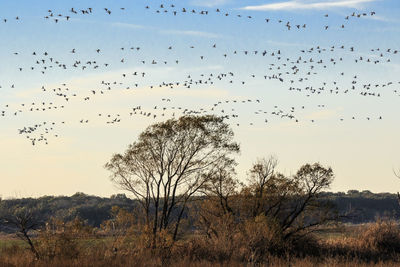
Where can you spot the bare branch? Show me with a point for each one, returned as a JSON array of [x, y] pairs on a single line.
[[170, 163]]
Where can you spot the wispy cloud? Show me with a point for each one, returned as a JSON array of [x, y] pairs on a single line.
[[127, 25], [191, 33], [380, 18], [210, 3], [298, 4], [168, 32], [287, 44]]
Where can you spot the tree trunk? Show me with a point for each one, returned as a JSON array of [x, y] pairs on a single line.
[[32, 247]]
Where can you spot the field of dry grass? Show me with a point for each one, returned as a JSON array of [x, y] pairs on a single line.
[[376, 244], [25, 259]]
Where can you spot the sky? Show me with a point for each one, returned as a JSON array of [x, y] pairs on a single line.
[[304, 80]]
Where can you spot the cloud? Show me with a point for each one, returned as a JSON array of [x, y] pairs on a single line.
[[191, 33], [209, 3], [297, 4], [287, 44], [380, 18], [160, 31], [127, 25]]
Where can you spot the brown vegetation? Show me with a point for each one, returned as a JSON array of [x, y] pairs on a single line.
[[368, 248], [224, 235]]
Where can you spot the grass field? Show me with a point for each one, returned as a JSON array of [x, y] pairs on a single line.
[[344, 245], [340, 231]]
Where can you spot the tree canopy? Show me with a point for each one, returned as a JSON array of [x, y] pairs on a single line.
[[170, 163]]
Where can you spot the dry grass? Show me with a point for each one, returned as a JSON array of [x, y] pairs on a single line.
[[376, 244], [23, 258], [368, 243]]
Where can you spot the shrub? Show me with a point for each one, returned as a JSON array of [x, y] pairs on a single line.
[[382, 236], [62, 239], [260, 237]]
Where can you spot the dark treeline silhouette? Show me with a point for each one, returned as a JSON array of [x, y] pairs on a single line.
[[92, 209], [365, 206]]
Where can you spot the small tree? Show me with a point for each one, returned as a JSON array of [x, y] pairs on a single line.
[[292, 202], [170, 162], [397, 174], [306, 210], [215, 216], [22, 221], [63, 239], [119, 228], [261, 176], [221, 187]]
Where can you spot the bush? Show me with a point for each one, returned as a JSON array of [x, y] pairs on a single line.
[[382, 236], [260, 237], [62, 239]]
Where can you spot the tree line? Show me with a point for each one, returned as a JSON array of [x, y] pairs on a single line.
[[94, 209]]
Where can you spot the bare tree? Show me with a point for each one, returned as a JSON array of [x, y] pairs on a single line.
[[261, 174], [397, 174], [118, 227], [222, 187], [217, 209], [170, 162], [23, 222], [306, 211], [292, 202]]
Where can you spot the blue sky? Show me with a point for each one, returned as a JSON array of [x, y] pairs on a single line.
[[362, 151]]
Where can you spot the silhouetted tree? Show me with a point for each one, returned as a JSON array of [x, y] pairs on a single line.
[[292, 202], [261, 175], [22, 221], [397, 174], [218, 209], [222, 187], [170, 162]]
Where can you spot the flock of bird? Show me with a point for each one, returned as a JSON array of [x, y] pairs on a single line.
[[294, 72], [175, 11]]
